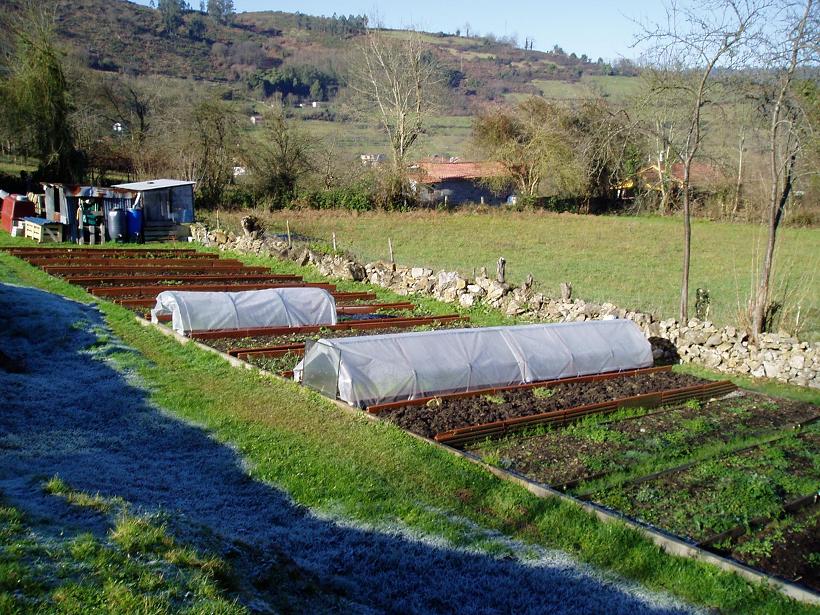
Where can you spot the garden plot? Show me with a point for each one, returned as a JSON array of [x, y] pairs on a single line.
[[718, 494], [439, 416], [642, 442], [788, 547], [746, 496], [735, 476]]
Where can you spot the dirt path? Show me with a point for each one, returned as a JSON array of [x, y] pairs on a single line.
[[69, 412]]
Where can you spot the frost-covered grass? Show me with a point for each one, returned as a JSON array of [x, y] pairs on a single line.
[[407, 504], [136, 568]]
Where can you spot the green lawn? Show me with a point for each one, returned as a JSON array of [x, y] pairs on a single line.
[[634, 262], [374, 473]]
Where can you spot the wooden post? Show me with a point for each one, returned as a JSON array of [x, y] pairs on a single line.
[[334, 243], [566, 291], [501, 270], [287, 226], [390, 249], [217, 219]]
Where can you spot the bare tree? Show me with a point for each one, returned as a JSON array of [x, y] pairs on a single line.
[[787, 124], [533, 143], [685, 53], [395, 77]]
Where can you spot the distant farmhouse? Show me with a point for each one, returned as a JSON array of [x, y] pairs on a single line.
[[455, 182], [372, 160]]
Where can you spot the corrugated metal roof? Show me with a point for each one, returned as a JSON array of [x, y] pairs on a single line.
[[154, 184]]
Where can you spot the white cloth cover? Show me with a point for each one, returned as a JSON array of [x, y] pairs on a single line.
[[272, 307], [381, 368]]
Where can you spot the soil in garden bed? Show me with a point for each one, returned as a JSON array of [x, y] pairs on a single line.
[[454, 413], [641, 444], [721, 493], [788, 547], [263, 341]]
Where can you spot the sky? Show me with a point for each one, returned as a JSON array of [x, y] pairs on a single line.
[[598, 28]]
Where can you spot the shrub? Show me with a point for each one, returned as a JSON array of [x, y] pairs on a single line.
[[353, 198]]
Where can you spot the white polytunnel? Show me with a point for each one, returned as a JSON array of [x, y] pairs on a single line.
[[272, 307], [373, 369]]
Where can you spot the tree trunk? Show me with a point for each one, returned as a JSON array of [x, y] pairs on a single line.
[[739, 184], [683, 311], [779, 192]]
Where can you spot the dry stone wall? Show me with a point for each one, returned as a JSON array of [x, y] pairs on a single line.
[[726, 349]]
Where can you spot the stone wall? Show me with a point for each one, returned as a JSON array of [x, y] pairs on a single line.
[[726, 349]]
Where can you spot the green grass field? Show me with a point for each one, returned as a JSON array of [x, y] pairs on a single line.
[[634, 262], [444, 135]]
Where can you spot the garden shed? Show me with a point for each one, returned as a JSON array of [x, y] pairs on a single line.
[[272, 307], [382, 368], [164, 202]]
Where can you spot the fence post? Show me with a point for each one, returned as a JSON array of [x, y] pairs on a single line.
[[501, 270], [390, 249], [287, 226], [334, 243]]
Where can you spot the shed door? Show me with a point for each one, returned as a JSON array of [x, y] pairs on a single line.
[[157, 205]]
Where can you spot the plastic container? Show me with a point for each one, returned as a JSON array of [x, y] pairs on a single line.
[[118, 225], [134, 224]]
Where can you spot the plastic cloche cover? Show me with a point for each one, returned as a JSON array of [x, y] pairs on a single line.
[[375, 369], [272, 307]]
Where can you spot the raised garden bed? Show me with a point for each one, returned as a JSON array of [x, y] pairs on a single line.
[[265, 341], [448, 414], [719, 494], [788, 547], [644, 442]]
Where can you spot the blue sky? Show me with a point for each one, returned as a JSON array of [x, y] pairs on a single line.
[[594, 27]]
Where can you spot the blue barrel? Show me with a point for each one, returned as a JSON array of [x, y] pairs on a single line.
[[118, 225], [134, 225]]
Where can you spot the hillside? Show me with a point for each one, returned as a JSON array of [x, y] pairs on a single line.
[[268, 52]]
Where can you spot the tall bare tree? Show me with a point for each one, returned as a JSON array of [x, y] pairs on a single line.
[[787, 129], [684, 53], [395, 77]]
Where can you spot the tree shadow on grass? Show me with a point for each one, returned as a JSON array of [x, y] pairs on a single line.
[[68, 412]]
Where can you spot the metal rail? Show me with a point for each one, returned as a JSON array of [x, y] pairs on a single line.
[[147, 302], [376, 323], [154, 290], [46, 252], [180, 267], [473, 433], [140, 280], [421, 401], [204, 263]]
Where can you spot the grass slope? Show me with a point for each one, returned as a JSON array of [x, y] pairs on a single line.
[[332, 460], [634, 262]]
